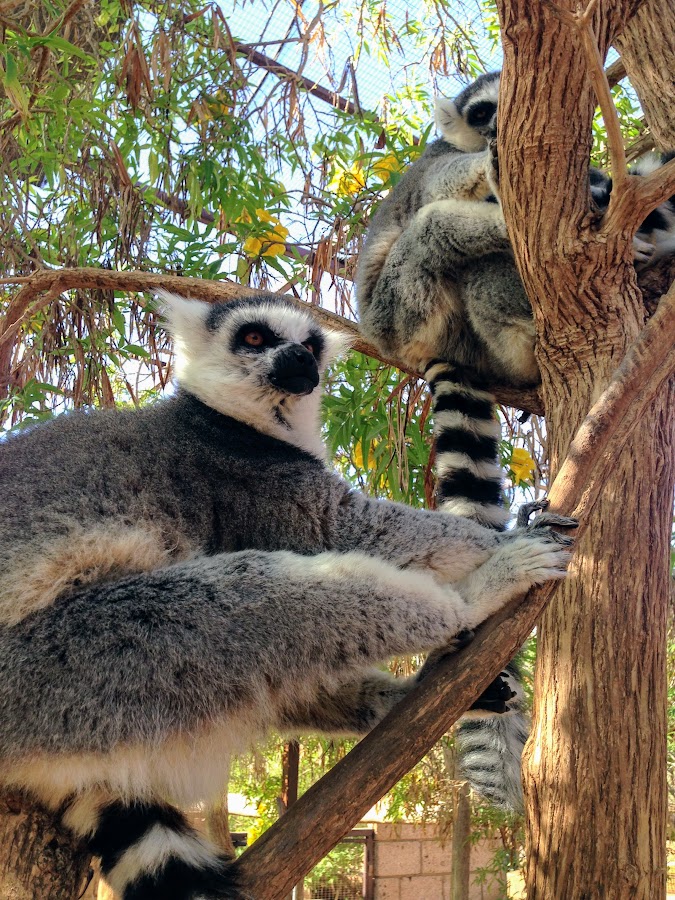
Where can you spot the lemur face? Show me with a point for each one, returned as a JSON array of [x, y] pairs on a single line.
[[285, 354], [469, 121], [260, 342]]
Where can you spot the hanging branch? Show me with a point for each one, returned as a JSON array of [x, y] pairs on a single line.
[[331, 807], [41, 67], [37, 289]]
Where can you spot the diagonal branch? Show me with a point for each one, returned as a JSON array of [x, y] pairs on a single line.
[[286, 74], [50, 282], [340, 799]]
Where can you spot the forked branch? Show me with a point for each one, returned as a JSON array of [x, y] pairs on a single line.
[[639, 196]]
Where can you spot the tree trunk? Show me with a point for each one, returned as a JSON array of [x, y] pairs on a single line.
[[594, 768], [38, 860]]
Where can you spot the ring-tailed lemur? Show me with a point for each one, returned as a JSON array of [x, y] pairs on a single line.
[[424, 294], [177, 580], [437, 279]]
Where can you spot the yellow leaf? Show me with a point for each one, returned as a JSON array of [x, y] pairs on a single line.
[[386, 166]]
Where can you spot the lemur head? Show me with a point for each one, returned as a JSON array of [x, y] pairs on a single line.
[[469, 121], [258, 359]]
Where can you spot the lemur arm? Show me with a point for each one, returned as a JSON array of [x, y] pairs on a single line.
[[450, 546], [460, 176]]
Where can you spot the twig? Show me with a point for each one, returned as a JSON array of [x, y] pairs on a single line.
[[287, 74], [345, 794]]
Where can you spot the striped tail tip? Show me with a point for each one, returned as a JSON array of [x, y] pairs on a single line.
[[467, 434], [148, 851], [489, 753]]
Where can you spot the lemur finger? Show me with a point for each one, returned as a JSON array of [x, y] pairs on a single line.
[[551, 537], [528, 509], [461, 639], [554, 520], [642, 250]]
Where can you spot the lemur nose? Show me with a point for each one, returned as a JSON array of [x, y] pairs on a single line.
[[302, 354]]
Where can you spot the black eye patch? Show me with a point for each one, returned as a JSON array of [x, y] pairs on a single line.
[[269, 338], [315, 344], [481, 112]]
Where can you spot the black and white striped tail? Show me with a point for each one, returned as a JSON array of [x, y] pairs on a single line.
[[489, 747], [148, 851], [467, 435], [491, 735]]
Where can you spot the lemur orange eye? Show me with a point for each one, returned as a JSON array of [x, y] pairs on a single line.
[[254, 339], [308, 345]]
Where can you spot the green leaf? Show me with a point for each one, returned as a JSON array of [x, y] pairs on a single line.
[[10, 81]]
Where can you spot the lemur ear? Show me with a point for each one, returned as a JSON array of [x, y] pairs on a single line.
[[336, 344], [184, 318], [447, 117]]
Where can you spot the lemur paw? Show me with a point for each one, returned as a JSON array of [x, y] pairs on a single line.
[[537, 553], [642, 251], [496, 695], [461, 639], [493, 167]]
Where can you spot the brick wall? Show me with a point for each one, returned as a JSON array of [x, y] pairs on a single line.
[[412, 864]]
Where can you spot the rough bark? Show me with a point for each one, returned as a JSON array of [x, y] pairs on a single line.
[[38, 860], [647, 47], [594, 768]]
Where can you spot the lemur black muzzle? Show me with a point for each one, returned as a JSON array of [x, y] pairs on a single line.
[[295, 370]]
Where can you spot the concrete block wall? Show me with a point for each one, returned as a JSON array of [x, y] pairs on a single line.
[[412, 864]]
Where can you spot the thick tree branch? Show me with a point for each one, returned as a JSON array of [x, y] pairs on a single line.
[[599, 440], [43, 285], [638, 197], [345, 794], [616, 72], [647, 47]]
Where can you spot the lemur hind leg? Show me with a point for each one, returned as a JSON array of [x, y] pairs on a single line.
[[501, 317], [413, 309]]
